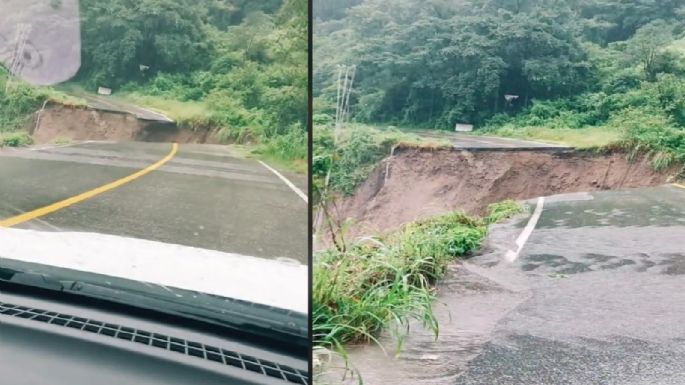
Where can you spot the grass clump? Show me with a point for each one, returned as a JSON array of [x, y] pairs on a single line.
[[62, 141], [500, 211], [386, 282], [582, 138], [18, 101], [665, 145], [656, 136], [15, 139], [288, 149]]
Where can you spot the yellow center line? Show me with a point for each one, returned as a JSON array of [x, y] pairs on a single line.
[[86, 195], [678, 185]]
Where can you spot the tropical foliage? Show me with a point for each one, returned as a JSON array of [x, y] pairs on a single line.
[[434, 63], [238, 66]]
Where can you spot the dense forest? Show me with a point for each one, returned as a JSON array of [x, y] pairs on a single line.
[[435, 63], [236, 65]]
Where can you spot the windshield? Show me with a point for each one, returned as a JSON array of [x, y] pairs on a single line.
[[162, 143]]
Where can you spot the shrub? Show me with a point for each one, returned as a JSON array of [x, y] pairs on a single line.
[[503, 210], [386, 282], [289, 146], [15, 139], [622, 81], [322, 120]]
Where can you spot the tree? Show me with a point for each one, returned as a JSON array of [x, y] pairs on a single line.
[[121, 35], [332, 9], [439, 62], [647, 47]]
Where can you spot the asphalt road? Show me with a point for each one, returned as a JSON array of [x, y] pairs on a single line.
[[477, 142], [205, 196], [605, 301], [109, 103], [481, 142], [595, 296]]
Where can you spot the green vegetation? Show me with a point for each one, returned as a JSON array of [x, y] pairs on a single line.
[[346, 161], [15, 139], [386, 282], [500, 211], [18, 101], [588, 73], [586, 137], [237, 66]]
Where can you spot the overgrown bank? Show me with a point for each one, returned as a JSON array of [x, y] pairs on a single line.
[[375, 283], [342, 161], [19, 101]]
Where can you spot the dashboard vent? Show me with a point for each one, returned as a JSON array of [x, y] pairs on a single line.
[[178, 345]]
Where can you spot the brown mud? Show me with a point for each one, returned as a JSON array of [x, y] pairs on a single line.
[[417, 183], [58, 122]]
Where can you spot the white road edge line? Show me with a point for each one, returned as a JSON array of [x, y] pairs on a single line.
[[51, 146], [512, 255], [289, 183]]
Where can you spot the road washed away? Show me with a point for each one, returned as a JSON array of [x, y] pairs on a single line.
[[596, 295], [417, 183]]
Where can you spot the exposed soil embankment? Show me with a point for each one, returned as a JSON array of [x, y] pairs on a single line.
[[58, 122], [417, 183]]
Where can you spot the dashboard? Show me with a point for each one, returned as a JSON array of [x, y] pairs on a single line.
[[48, 342]]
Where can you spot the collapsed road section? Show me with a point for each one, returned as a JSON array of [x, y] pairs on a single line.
[[417, 183], [58, 122]]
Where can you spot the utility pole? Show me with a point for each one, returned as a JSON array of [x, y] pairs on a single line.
[[346, 76], [346, 111], [337, 100], [17, 55]]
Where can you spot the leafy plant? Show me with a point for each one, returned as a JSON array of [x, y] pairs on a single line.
[[385, 282], [15, 139]]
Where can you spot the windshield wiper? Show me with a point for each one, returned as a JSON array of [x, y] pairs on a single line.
[[242, 316]]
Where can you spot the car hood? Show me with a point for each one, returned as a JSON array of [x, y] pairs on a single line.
[[278, 282]]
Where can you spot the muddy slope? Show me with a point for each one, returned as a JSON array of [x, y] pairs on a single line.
[[82, 123], [417, 183]]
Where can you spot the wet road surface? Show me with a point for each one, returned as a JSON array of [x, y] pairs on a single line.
[[477, 142], [596, 296], [109, 103], [206, 196], [464, 141]]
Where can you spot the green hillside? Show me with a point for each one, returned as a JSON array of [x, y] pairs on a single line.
[[583, 72]]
